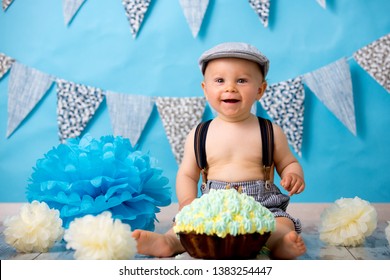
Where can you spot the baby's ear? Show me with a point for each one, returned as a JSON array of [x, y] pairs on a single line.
[[203, 84], [261, 90]]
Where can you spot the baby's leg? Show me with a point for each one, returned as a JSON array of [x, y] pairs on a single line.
[[285, 242], [156, 244]]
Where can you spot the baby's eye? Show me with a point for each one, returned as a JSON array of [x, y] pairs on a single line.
[[219, 80], [241, 81]]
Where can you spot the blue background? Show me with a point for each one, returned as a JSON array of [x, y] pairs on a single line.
[[97, 49]]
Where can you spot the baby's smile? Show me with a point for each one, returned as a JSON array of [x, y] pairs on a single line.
[[230, 100]]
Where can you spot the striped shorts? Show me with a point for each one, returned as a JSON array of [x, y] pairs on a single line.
[[269, 197]]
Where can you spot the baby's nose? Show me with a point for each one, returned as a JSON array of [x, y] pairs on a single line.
[[230, 87]]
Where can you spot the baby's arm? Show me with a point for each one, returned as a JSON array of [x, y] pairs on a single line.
[[287, 165], [188, 174]]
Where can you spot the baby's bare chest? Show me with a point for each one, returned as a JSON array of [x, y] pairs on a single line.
[[234, 145]]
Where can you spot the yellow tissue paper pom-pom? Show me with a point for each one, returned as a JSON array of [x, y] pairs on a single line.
[[387, 232], [348, 222], [100, 238], [35, 229]]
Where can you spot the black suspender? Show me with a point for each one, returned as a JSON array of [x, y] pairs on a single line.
[[200, 149], [267, 138], [200, 143]]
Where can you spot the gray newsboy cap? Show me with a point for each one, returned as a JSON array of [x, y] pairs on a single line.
[[235, 50]]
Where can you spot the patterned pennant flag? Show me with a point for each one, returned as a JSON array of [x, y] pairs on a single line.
[[194, 12], [375, 59], [26, 88], [322, 3], [6, 4], [70, 8], [76, 105], [129, 114], [179, 115], [332, 85], [261, 7], [284, 102], [135, 11], [5, 64]]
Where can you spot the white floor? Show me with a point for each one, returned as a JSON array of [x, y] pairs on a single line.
[[375, 247]]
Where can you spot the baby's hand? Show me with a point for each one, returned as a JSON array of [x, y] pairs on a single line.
[[293, 183]]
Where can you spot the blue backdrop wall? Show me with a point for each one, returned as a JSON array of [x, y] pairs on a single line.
[[97, 49]]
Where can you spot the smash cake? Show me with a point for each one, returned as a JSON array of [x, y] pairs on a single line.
[[224, 224]]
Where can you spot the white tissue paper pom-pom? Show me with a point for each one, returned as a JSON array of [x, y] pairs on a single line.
[[387, 232], [35, 229], [348, 222], [100, 238]]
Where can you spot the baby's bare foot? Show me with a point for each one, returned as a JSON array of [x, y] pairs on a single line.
[[291, 246], [157, 245]]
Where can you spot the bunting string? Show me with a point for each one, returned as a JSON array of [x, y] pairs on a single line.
[[135, 11], [129, 114]]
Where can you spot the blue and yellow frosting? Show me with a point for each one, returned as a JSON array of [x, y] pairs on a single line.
[[222, 212]]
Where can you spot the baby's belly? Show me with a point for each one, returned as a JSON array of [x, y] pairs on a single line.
[[235, 173]]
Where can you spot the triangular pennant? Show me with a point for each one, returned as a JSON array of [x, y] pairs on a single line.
[[6, 4], [179, 115], [261, 7], [375, 59], [135, 12], [284, 102], [76, 105], [129, 114], [70, 8], [5, 64], [332, 85], [26, 88], [322, 3], [194, 12]]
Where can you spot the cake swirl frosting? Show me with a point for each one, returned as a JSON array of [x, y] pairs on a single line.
[[222, 212]]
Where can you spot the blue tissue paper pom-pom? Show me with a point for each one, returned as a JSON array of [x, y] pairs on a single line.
[[89, 176]]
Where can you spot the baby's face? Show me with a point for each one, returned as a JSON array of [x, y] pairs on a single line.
[[232, 85]]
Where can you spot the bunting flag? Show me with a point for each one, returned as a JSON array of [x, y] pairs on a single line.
[[135, 11], [6, 4], [26, 88], [194, 12], [322, 3], [261, 7], [5, 64], [70, 8], [375, 59], [179, 116], [284, 102], [129, 114], [76, 105], [332, 85]]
